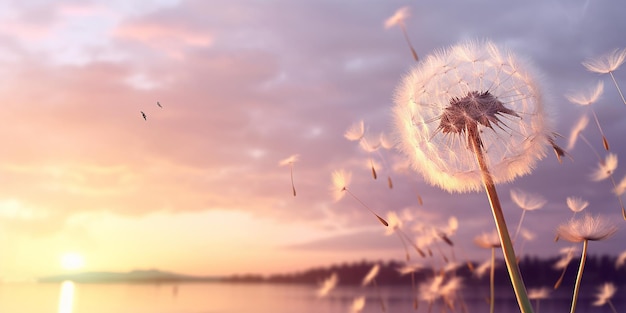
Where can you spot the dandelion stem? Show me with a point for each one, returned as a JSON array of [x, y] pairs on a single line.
[[612, 306], [558, 282], [406, 37], [475, 143], [492, 285], [579, 276], [293, 187], [617, 86]]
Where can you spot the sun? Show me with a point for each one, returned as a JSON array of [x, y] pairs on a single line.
[[72, 261]]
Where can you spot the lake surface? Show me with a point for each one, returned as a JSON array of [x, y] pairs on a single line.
[[238, 298]]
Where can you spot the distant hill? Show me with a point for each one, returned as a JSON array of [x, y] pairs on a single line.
[[138, 276], [535, 271]]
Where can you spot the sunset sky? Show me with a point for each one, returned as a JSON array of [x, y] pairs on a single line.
[[197, 187]]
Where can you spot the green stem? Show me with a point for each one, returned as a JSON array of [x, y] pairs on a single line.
[[579, 277], [492, 284], [521, 295]]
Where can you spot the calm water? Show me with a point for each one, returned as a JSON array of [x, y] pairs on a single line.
[[238, 298]]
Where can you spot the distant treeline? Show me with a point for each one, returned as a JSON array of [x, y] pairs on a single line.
[[535, 271]]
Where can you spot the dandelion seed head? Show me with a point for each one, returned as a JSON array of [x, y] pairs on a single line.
[[290, 160], [356, 131], [473, 84], [605, 168], [587, 97], [527, 201], [587, 227], [341, 179], [576, 204], [582, 123], [607, 62], [605, 293], [398, 17]]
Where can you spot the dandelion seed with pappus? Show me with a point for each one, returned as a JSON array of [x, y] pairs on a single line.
[[608, 63]]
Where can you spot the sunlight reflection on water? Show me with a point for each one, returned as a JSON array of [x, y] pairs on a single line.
[[66, 298]]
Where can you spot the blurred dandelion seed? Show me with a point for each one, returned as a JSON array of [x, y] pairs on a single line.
[[608, 63], [159, 105], [290, 161], [605, 170], [585, 229], [527, 202], [145, 118], [398, 18], [490, 241], [604, 295], [563, 262], [538, 294], [356, 131], [341, 179], [358, 304], [580, 125], [576, 204], [327, 285], [621, 260], [587, 99], [370, 277]]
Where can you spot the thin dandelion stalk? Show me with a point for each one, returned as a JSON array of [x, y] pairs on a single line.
[[498, 216], [290, 161], [579, 276], [583, 230], [619, 90], [492, 281]]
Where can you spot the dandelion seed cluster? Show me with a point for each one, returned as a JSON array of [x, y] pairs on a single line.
[[471, 85]]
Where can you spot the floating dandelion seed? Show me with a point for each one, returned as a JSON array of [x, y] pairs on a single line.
[[538, 294], [145, 118], [341, 179], [582, 123], [563, 262], [398, 18], [527, 202], [371, 275], [468, 123], [356, 131], [159, 104], [620, 188], [608, 63], [585, 229], [576, 204], [604, 295], [588, 98], [621, 260], [358, 304], [327, 285], [290, 161], [605, 170]]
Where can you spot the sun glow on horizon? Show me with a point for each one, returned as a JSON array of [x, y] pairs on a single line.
[[72, 261]]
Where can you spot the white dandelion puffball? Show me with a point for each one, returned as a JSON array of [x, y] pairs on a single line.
[[473, 87]]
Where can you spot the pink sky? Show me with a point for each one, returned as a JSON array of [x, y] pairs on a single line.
[[197, 188]]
